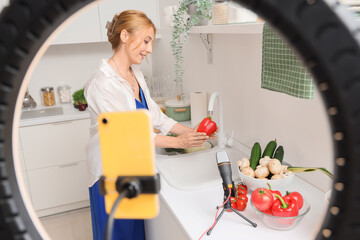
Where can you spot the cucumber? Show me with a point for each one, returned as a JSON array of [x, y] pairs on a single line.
[[255, 155], [279, 153], [270, 149]]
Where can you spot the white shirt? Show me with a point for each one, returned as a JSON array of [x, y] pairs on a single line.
[[108, 92]]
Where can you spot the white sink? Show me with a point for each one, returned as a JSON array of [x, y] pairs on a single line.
[[193, 171]]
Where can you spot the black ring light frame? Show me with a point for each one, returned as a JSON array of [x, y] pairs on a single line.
[[325, 44]]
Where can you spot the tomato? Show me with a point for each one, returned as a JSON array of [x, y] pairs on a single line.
[[241, 192], [243, 198], [240, 205], [262, 198], [233, 203], [241, 186], [298, 198]]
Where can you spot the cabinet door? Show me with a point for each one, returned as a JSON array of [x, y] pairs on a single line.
[[84, 27], [59, 185], [154, 228], [108, 8], [54, 144]]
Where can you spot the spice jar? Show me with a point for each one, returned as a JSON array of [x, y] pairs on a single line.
[[64, 93], [48, 96]]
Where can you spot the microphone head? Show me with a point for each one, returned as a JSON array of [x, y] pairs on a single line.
[[224, 168]]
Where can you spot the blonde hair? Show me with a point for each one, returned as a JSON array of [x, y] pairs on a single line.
[[130, 20]]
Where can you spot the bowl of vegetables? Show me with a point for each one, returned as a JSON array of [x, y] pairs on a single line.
[[265, 168], [279, 212]]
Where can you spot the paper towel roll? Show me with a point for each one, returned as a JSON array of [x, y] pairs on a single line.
[[198, 107]]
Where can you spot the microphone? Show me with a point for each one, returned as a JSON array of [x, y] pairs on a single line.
[[224, 166]]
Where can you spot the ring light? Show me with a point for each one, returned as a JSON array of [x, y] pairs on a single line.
[[324, 42]]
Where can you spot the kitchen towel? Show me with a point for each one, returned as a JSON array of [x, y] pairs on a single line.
[[199, 107], [281, 69]]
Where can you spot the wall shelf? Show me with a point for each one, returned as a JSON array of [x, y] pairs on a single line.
[[239, 28]]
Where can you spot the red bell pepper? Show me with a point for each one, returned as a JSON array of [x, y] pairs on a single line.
[[273, 191], [207, 126], [297, 196], [285, 207]]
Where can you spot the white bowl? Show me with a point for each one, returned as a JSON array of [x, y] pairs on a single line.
[[279, 184]]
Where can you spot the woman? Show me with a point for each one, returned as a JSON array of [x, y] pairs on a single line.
[[117, 86]]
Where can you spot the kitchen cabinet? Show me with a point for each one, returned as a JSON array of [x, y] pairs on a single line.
[[83, 27], [154, 228], [23, 168], [55, 162], [107, 9], [88, 26]]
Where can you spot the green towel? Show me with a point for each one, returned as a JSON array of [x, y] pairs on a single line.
[[281, 69]]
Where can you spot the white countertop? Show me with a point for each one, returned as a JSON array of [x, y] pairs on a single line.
[[195, 212], [69, 114]]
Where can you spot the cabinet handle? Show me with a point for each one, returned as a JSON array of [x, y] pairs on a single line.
[[69, 165], [180, 110], [62, 123]]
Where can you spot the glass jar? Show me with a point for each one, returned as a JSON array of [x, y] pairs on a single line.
[[220, 12], [64, 93], [47, 96]]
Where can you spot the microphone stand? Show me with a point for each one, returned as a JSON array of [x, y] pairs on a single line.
[[228, 206]]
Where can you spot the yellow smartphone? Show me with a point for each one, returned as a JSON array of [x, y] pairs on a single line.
[[127, 149]]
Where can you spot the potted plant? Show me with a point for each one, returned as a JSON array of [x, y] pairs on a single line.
[[200, 10], [79, 100]]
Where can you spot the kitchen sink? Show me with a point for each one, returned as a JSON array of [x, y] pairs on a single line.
[[45, 112], [193, 171]]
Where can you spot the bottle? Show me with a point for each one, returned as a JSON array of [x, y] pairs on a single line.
[[220, 12], [64, 93], [47, 96]]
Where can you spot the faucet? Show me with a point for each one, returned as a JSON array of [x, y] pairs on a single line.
[[221, 135]]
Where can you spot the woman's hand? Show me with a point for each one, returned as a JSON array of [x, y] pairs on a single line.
[[191, 139]]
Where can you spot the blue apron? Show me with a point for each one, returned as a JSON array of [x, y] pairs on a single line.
[[123, 229]]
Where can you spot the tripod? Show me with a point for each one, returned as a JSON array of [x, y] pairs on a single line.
[[228, 206]]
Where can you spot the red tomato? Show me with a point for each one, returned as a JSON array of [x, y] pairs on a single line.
[[240, 205], [241, 192], [233, 203], [297, 196], [262, 198], [243, 198], [241, 187]]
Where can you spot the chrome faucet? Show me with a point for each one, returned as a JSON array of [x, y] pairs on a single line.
[[221, 135]]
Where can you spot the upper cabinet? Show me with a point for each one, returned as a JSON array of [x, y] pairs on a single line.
[[108, 8], [88, 25], [82, 27]]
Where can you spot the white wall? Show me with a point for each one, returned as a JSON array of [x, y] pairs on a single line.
[[72, 64], [255, 114]]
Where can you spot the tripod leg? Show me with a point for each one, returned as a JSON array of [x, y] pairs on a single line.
[[248, 220], [217, 219]]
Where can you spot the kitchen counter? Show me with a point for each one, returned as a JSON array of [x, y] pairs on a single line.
[[194, 211], [69, 114]]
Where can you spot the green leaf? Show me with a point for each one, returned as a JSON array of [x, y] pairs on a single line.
[[310, 169]]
